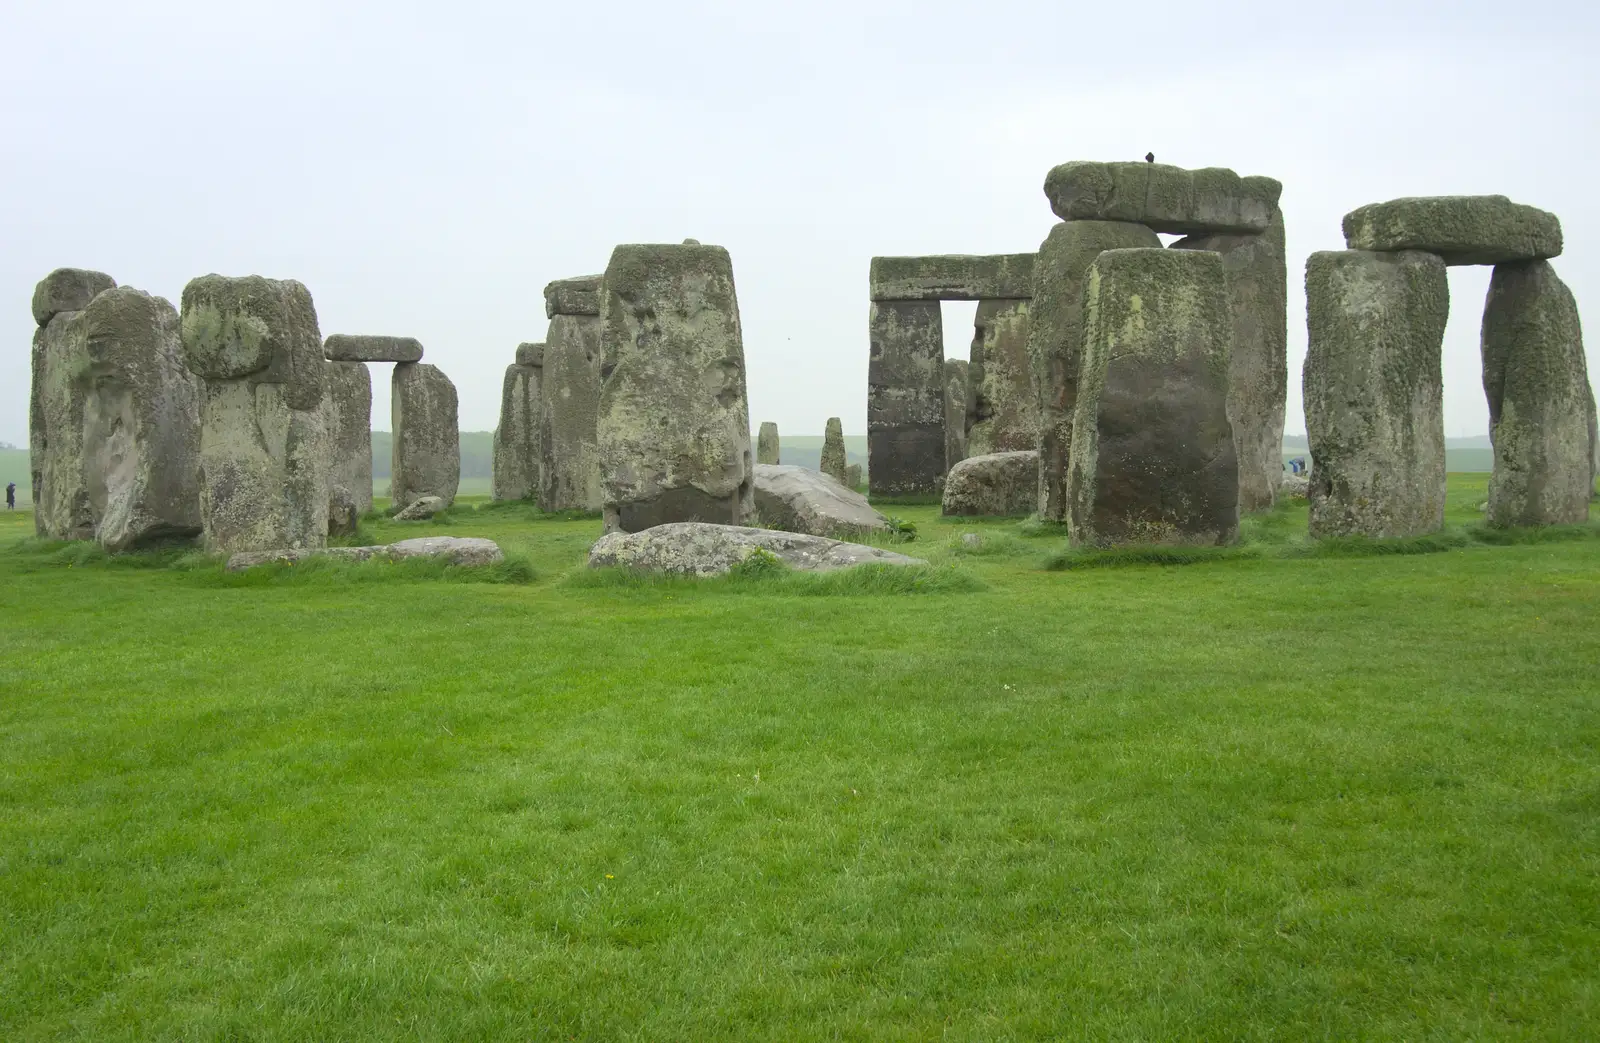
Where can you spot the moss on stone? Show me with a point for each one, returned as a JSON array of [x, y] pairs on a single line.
[[1460, 229]]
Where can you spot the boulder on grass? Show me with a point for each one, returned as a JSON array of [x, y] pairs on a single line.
[[994, 484], [421, 509], [705, 549], [800, 500]]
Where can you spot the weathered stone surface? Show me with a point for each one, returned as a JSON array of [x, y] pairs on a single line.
[[951, 277], [458, 550], [1055, 339], [529, 354], [1152, 450], [265, 450], [958, 409], [905, 398], [517, 452], [994, 484], [833, 454], [1374, 394], [346, 347], [1537, 383], [36, 433], [421, 509], [570, 472], [800, 500], [1258, 364], [344, 514], [1005, 414], [767, 444], [674, 420], [1461, 229], [350, 430], [1293, 486], [426, 447], [704, 549], [67, 289], [853, 476], [1163, 198], [576, 296], [61, 508]]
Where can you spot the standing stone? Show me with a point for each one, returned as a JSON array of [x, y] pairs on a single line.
[[833, 456], [1374, 393], [1005, 409], [61, 513], [1537, 383], [350, 431], [265, 453], [905, 398], [1055, 339], [516, 439], [767, 444], [852, 477], [1152, 450], [674, 423], [1258, 367], [958, 407], [426, 448], [570, 397]]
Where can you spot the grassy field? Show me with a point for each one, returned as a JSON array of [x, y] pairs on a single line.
[[1336, 796]]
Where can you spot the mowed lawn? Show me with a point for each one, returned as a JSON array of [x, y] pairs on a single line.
[[1347, 797]]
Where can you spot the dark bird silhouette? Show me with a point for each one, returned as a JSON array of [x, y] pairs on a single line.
[[1149, 157]]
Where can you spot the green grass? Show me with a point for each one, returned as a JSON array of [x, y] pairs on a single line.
[[1268, 797]]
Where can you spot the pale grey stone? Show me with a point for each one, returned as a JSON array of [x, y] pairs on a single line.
[[350, 430], [517, 451], [421, 509], [264, 329], [67, 289], [796, 499], [833, 453], [951, 277], [1005, 409], [1163, 198], [529, 354], [853, 477], [344, 347], [457, 550], [570, 399], [705, 549], [767, 450], [905, 398], [1461, 229], [61, 509], [1294, 486], [426, 448], [576, 296], [997, 484], [344, 514], [958, 409]]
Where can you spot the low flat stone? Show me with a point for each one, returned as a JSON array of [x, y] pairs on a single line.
[[459, 550], [993, 484], [421, 509], [952, 277], [1461, 229], [797, 499], [705, 549], [576, 296], [1162, 197], [344, 347], [67, 289]]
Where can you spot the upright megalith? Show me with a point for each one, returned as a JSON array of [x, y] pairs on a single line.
[[673, 422], [958, 407], [1374, 395], [426, 448], [905, 398], [1540, 403], [265, 456], [1153, 457], [517, 438], [1258, 366], [570, 397], [1005, 415], [350, 433], [55, 403], [833, 454], [767, 444], [1055, 339]]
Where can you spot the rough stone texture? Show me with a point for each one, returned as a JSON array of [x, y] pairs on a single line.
[[265, 453], [350, 430], [1258, 366], [575, 296], [1294, 485], [1055, 339], [703, 549], [36, 433], [1537, 383], [1374, 394], [67, 289], [1005, 414], [852, 476], [529, 354], [994, 484], [570, 476], [767, 444], [458, 550], [905, 398], [833, 455], [421, 509], [344, 347], [951, 277], [61, 508], [958, 408], [1594, 436], [800, 500], [426, 453], [1152, 450], [344, 514], [1163, 198], [1461, 229], [517, 451], [674, 419]]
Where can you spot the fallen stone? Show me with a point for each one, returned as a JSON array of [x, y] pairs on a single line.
[[767, 444], [951, 277], [1153, 460], [1461, 229], [569, 477], [344, 347], [796, 499], [674, 422], [516, 439], [1294, 486], [67, 289], [996, 484], [425, 457], [350, 430], [1005, 409], [576, 296], [457, 550], [1373, 391], [1163, 198], [704, 549], [421, 509], [958, 408], [1537, 383], [905, 398], [833, 454]]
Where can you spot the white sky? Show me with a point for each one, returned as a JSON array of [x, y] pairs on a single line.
[[426, 168]]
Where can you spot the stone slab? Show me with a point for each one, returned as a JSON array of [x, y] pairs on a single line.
[[458, 550], [250, 326], [575, 296], [797, 499], [951, 277], [67, 289], [530, 354], [1163, 198], [704, 549], [347, 347], [1461, 229], [905, 398]]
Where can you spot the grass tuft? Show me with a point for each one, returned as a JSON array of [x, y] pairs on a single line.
[[1544, 534], [858, 581], [1116, 557], [1363, 547]]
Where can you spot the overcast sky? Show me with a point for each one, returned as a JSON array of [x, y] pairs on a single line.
[[426, 168]]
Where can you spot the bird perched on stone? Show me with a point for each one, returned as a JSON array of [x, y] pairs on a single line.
[[1149, 157]]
